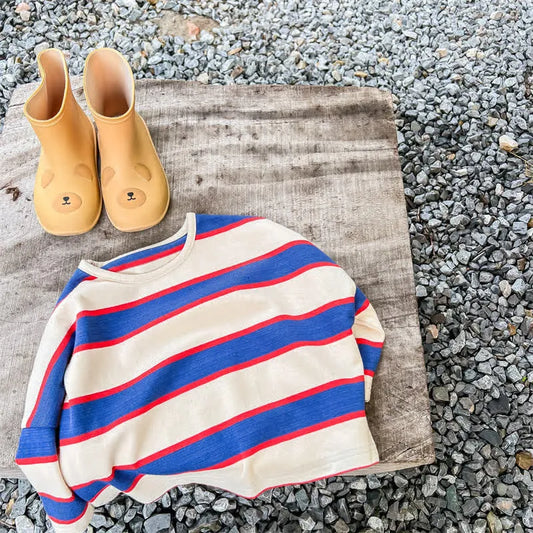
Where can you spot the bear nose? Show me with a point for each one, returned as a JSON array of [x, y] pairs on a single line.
[[130, 194], [66, 198]]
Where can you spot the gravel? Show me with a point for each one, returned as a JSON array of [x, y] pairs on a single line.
[[461, 75]]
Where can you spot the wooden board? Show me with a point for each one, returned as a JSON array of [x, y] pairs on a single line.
[[321, 160]]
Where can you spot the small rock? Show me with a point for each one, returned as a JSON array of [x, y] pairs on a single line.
[[505, 505], [376, 524], [158, 523], [505, 288], [441, 394], [507, 143], [203, 496], [203, 77], [499, 405], [430, 486], [524, 460], [491, 436], [495, 524], [220, 505], [24, 524], [457, 344], [519, 286]]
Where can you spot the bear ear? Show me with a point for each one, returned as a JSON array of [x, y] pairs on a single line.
[[107, 174], [46, 178], [84, 171], [143, 171]]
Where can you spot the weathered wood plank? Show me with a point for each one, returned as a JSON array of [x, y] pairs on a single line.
[[319, 159]]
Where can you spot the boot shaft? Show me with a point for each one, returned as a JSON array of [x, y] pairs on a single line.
[[63, 129]]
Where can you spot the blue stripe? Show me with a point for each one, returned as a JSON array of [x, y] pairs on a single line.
[[370, 356], [359, 298], [204, 224], [109, 326], [143, 254], [88, 416], [51, 401], [36, 442], [64, 510], [73, 282], [243, 435]]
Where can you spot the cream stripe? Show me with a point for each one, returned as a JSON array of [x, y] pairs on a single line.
[[53, 334], [296, 461], [208, 405], [208, 255], [367, 326], [213, 253], [113, 365], [368, 387], [47, 477]]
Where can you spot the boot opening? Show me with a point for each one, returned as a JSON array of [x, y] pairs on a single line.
[[46, 102], [108, 86]]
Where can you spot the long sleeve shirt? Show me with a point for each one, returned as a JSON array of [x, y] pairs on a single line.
[[235, 353]]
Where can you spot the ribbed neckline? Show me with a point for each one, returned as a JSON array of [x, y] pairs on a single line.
[[189, 227]]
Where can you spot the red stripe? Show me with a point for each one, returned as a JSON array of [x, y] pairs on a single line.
[[369, 372], [206, 379], [309, 480], [362, 307], [299, 482], [178, 247], [71, 498], [204, 346], [148, 259], [375, 344], [270, 443], [36, 460], [200, 301], [226, 423], [193, 281], [72, 520], [51, 364], [226, 228], [288, 436], [295, 482]]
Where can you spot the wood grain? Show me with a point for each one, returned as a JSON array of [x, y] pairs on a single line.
[[321, 160]]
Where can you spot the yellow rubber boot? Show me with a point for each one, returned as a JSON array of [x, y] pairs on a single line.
[[134, 184], [66, 193]]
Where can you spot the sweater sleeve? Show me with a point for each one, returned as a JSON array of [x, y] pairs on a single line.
[[369, 336], [37, 454]]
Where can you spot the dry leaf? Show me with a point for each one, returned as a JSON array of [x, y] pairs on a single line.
[[235, 51], [193, 29], [237, 71], [433, 330], [512, 329], [524, 460], [9, 506]]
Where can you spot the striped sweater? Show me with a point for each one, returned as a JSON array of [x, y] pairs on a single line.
[[234, 354]]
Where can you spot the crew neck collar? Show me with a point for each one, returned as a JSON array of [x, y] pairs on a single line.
[[95, 268]]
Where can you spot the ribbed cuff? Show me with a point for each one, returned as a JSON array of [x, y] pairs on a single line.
[[79, 526]]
